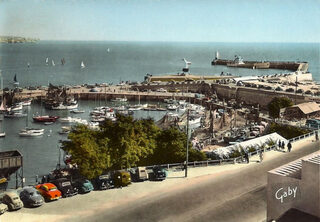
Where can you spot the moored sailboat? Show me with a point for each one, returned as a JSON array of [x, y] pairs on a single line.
[[82, 65]]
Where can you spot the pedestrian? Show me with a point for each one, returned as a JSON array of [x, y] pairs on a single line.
[[246, 156], [289, 147], [261, 155], [279, 145], [282, 145], [317, 136]]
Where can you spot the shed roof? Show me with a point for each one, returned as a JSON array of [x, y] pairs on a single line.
[[307, 108]]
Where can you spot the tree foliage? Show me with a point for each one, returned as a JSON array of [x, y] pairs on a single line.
[[126, 143], [286, 131], [278, 103]]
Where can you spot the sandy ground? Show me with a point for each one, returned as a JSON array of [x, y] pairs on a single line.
[[83, 206]]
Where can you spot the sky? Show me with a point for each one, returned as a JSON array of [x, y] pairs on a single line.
[[163, 20]]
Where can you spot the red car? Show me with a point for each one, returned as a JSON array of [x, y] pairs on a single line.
[[49, 191]]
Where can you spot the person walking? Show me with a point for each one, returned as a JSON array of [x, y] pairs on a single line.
[[261, 155], [246, 156], [279, 145], [317, 136], [282, 146], [289, 147]]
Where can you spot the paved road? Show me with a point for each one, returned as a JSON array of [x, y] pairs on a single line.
[[234, 196]]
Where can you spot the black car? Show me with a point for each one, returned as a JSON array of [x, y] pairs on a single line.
[[158, 173], [64, 185], [103, 182]]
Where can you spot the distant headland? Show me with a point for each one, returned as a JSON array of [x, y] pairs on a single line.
[[17, 39]]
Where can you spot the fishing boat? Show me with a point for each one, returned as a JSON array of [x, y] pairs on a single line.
[[82, 65], [172, 107], [14, 115], [15, 81], [69, 119], [76, 111], [62, 106], [36, 130], [26, 102], [16, 107], [30, 133], [124, 99], [65, 130], [45, 119]]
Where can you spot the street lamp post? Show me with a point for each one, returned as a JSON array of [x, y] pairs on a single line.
[[187, 154]]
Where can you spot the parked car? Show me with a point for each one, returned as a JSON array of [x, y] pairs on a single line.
[[12, 200], [83, 185], [279, 89], [290, 90], [121, 178], [139, 174], [158, 173], [300, 91], [308, 92], [103, 182], [3, 208], [31, 197], [49, 191], [64, 185]]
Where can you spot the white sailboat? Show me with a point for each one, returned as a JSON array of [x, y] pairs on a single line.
[[108, 50], [47, 61], [53, 63], [82, 65]]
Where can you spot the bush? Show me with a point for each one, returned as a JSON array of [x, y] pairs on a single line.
[[286, 131]]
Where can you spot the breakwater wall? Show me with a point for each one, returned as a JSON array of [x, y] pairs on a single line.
[[294, 66]]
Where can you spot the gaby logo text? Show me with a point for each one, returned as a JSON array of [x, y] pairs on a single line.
[[287, 192]]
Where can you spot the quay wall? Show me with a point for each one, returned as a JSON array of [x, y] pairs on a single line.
[[253, 96]]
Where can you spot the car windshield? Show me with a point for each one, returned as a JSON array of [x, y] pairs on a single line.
[[53, 188]]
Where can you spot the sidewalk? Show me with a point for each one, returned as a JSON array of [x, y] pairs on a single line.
[[100, 201]]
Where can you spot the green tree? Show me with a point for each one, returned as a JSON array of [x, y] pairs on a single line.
[[278, 103], [131, 140], [171, 148], [90, 153]]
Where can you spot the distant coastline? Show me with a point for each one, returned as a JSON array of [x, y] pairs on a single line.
[[16, 39]]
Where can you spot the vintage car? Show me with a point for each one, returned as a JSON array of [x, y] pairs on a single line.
[[121, 178], [158, 173], [3, 208], [31, 197], [83, 185], [65, 187], [49, 191], [139, 174], [103, 182], [12, 200]]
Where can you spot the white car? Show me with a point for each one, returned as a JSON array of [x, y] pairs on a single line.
[[3, 208]]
